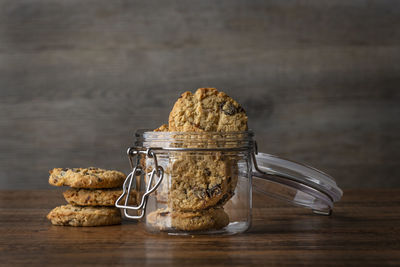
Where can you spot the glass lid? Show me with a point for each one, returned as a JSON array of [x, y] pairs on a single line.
[[296, 183]]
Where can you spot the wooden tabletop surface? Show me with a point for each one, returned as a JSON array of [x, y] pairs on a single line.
[[364, 229]]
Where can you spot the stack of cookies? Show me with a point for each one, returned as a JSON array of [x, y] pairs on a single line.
[[91, 197], [197, 187]]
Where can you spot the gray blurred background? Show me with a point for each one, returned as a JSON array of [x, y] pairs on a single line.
[[320, 80]]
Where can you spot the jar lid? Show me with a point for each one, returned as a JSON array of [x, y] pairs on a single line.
[[296, 183]]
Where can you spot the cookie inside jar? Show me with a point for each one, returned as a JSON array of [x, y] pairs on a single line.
[[203, 183], [204, 151]]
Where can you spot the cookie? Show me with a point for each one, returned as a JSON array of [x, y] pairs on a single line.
[[86, 178], [211, 219], [95, 197], [84, 216], [162, 128], [198, 182], [189, 194], [207, 110]]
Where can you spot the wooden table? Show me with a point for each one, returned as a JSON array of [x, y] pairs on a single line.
[[364, 229]]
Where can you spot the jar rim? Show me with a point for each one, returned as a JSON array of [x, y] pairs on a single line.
[[215, 140]]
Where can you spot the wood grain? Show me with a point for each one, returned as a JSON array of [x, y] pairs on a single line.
[[363, 230], [319, 80]]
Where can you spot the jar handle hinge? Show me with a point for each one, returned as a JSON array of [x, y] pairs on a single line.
[[131, 183]]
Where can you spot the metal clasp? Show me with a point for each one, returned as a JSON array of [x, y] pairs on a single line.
[[131, 182]]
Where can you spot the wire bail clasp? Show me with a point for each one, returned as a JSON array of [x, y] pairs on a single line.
[[131, 182]]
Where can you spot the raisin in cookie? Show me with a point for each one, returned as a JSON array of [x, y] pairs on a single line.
[[84, 216], [95, 197], [211, 219], [207, 110], [86, 178], [200, 181]]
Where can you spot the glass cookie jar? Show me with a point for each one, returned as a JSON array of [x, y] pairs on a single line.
[[201, 183]]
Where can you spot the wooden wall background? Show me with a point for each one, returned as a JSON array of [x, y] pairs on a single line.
[[320, 80]]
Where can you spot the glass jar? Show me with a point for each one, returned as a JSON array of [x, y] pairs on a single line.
[[201, 183]]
